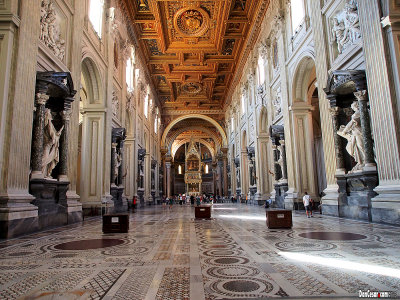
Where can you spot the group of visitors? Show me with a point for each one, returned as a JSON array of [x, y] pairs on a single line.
[[182, 199]]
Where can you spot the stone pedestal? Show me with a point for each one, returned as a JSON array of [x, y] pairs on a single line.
[[18, 217], [280, 193], [119, 204], [140, 194], [355, 193], [50, 195]]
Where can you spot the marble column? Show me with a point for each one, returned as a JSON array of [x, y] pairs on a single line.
[[63, 164], [383, 102], [168, 167], [340, 168], [369, 163], [219, 172], [19, 52], [225, 170], [284, 163], [37, 138], [113, 162]]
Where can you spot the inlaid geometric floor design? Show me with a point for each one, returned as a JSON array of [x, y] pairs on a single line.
[[169, 255]]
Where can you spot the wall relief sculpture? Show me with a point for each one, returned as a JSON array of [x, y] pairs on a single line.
[[277, 104], [115, 104], [346, 26], [50, 30]]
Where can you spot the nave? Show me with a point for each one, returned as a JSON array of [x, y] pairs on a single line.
[[168, 254]]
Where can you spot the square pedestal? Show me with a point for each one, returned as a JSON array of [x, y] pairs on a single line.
[[279, 219], [202, 212], [116, 223]]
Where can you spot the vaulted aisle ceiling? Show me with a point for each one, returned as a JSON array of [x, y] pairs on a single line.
[[194, 49]]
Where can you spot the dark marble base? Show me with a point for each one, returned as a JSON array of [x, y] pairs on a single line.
[[280, 190], [355, 194], [75, 217], [385, 215], [119, 205], [330, 210], [13, 228], [140, 194], [51, 200], [357, 207], [92, 211]]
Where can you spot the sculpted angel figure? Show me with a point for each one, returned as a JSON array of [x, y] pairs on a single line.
[[353, 133], [50, 145], [338, 33]]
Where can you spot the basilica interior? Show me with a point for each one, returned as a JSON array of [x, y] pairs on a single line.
[[140, 108]]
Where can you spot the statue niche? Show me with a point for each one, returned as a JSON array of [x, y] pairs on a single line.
[[49, 153], [277, 134], [356, 172], [118, 136]]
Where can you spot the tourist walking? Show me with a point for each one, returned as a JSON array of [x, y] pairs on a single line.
[[307, 204]]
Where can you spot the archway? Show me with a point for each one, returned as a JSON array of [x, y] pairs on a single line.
[[309, 163], [91, 138], [193, 116], [264, 144]]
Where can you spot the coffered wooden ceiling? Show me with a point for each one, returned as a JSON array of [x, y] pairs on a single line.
[[194, 48]]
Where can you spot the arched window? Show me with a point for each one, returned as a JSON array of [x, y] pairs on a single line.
[[206, 169], [155, 124], [129, 74], [232, 124], [96, 8], [261, 72], [146, 105], [243, 103], [298, 13], [180, 170]]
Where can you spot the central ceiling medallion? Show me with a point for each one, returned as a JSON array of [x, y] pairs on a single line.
[[191, 21], [192, 88]]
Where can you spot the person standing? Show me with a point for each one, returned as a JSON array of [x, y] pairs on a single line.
[[171, 202], [307, 204]]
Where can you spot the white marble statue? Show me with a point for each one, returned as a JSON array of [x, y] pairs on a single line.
[[51, 141], [280, 158], [50, 29], [353, 133], [118, 161]]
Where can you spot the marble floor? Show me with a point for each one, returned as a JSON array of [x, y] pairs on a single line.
[[167, 254]]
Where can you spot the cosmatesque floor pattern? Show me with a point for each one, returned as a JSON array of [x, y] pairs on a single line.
[[169, 255]]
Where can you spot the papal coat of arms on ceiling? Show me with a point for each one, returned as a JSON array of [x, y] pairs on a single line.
[[191, 21]]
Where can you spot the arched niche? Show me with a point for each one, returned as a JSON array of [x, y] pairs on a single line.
[[303, 77], [91, 83]]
